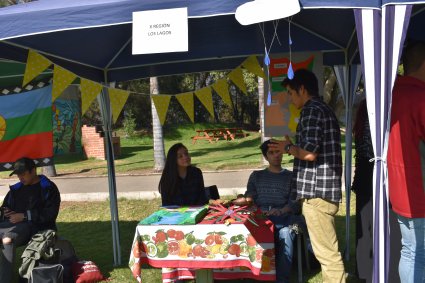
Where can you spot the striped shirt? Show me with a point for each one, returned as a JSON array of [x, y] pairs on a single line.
[[318, 131], [272, 190]]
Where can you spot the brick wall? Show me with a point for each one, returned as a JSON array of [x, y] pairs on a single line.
[[93, 143]]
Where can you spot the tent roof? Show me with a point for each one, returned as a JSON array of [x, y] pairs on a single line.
[[92, 38]]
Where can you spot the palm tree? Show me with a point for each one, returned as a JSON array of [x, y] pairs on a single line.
[[158, 139], [261, 110]]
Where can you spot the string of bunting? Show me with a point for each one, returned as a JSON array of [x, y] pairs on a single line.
[[62, 78]]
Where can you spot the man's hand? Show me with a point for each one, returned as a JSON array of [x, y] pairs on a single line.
[[287, 209], [13, 216], [274, 212], [279, 145]]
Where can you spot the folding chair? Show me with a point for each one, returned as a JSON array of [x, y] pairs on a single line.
[[212, 192]]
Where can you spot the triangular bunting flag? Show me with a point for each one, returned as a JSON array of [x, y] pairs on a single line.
[[36, 64], [222, 89], [89, 91], [236, 77], [161, 104], [186, 101], [62, 78], [117, 97], [251, 64], [205, 96]]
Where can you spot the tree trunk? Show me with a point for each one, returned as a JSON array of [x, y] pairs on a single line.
[[261, 111], [158, 140], [49, 171]]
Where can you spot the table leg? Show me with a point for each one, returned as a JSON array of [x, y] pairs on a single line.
[[204, 276]]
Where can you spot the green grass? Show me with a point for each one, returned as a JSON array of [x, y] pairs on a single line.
[[87, 225], [137, 153]]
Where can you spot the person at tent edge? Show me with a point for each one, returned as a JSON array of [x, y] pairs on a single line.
[[30, 206], [406, 162], [317, 169]]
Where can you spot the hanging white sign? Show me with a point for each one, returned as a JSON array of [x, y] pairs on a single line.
[[160, 31]]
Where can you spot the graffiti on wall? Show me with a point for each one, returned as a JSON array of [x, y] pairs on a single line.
[[66, 126]]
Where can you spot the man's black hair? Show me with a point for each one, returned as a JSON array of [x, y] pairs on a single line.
[[303, 77], [413, 56], [264, 147]]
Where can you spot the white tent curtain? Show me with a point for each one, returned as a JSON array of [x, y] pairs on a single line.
[[381, 34], [348, 78]]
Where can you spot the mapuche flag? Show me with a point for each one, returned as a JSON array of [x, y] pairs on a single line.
[[26, 127]]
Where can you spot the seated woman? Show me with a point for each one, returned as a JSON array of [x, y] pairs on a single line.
[[181, 183]]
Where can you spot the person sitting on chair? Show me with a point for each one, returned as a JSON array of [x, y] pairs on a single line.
[[270, 190], [30, 206], [181, 183]]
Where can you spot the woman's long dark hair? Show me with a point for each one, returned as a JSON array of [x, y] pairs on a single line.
[[168, 184]]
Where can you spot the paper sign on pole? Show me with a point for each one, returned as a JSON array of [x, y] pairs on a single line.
[[160, 31]]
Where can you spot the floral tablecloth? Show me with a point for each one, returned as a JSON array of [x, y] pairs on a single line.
[[238, 250]]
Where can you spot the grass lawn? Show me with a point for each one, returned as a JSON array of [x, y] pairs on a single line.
[[87, 225]]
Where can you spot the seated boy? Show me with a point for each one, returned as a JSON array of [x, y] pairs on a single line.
[[30, 206], [270, 190]]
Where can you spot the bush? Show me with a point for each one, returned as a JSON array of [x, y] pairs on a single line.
[[129, 124]]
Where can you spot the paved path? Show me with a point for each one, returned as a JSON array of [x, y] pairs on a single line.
[[135, 186]]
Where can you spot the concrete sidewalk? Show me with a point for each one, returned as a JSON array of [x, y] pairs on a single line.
[[134, 186]]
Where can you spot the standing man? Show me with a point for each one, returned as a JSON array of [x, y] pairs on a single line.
[[317, 170], [270, 190], [30, 206], [406, 162]]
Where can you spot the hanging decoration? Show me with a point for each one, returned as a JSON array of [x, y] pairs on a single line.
[[117, 97], [161, 104], [89, 91], [186, 101], [251, 64], [222, 89], [36, 64], [205, 96], [267, 57], [236, 76], [62, 78], [290, 73]]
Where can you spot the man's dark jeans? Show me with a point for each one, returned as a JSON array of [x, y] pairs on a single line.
[[284, 239], [20, 234]]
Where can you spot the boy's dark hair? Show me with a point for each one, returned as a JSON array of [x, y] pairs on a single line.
[[303, 77], [413, 56], [264, 147]]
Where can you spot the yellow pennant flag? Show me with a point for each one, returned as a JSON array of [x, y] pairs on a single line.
[[251, 64], [36, 64], [186, 101], [161, 104], [62, 78], [89, 91], [222, 89], [117, 98], [205, 96], [236, 77]]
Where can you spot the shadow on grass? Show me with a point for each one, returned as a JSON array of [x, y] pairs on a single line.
[[92, 240], [129, 151]]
